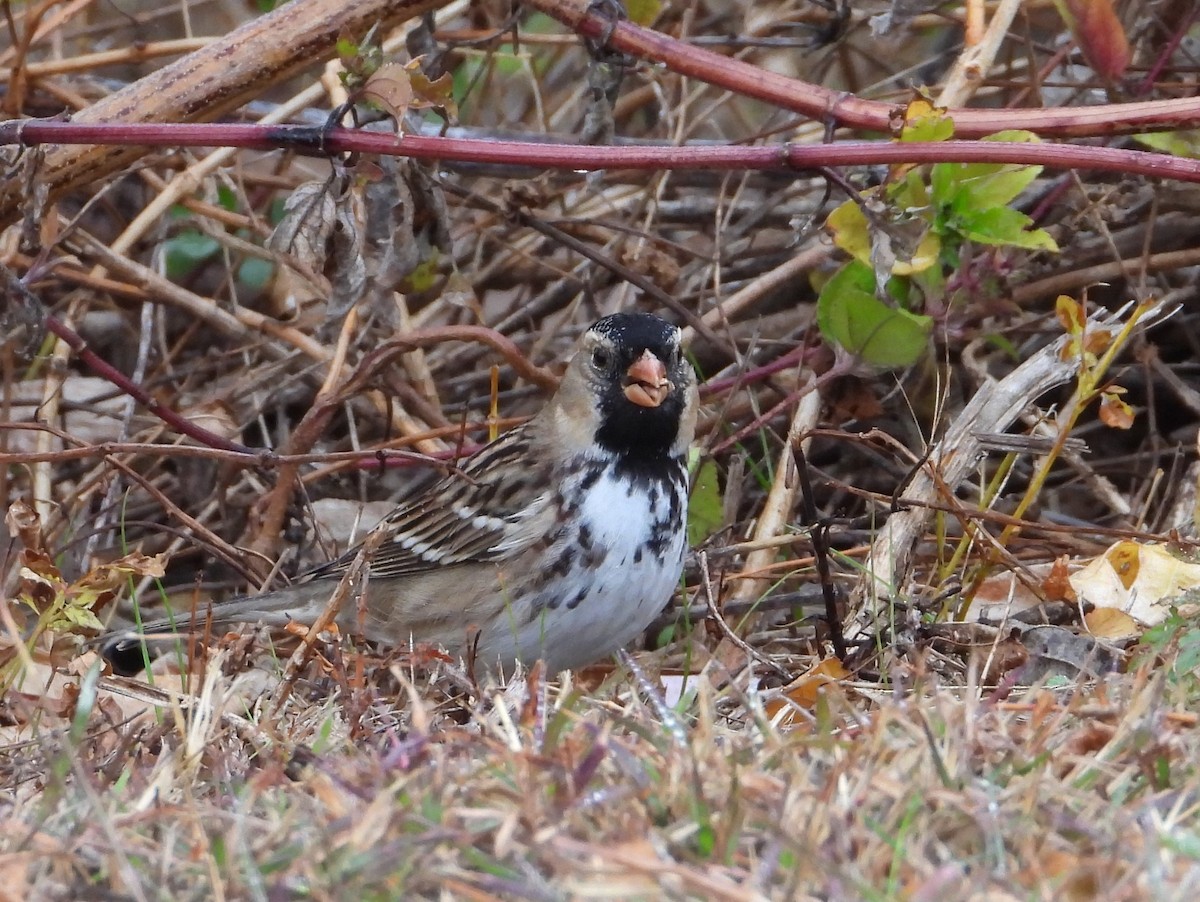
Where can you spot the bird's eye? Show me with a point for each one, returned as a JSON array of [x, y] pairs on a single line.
[[600, 359]]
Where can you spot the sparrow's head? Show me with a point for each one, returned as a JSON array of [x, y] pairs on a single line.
[[630, 389]]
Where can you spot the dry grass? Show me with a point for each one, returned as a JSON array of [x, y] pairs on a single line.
[[438, 312], [555, 791]]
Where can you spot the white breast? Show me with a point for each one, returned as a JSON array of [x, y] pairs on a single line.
[[610, 593]]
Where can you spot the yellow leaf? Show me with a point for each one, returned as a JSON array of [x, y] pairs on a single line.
[[643, 12], [1144, 581], [1070, 314], [850, 232], [1109, 623], [805, 690], [1125, 561], [925, 256]]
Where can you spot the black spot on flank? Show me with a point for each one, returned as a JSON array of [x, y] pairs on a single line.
[[565, 562], [585, 537], [637, 556], [593, 557], [591, 476], [676, 496], [658, 542], [579, 599]]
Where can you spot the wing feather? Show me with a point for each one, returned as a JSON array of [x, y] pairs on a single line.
[[482, 513]]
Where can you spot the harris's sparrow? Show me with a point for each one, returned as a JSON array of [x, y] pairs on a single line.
[[561, 540]]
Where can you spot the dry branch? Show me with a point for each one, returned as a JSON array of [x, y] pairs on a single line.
[[213, 81], [995, 407]]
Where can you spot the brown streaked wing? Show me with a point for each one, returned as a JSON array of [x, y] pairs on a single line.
[[459, 519]]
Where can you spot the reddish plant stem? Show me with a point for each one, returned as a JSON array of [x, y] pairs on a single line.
[[757, 374], [841, 109], [1167, 53], [213, 81], [371, 365], [777, 157], [106, 370]]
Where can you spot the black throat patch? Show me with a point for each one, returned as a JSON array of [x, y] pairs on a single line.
[[639, 436]]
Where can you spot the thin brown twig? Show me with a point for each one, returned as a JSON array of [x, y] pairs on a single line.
[[714, 613], [235, 557], [263, 459], [101, 367]]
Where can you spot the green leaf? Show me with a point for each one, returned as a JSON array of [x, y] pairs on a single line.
[[849, 313], [86, 702], [254, 273], [540, 23], [665, 636], [968, 187], [187, 250], [425, 275], [227, 198], [1005, 344], [910, 194], [706, 512], [1014, 136], [1004, 226], [997, 188], [925, 122], [643, 12], [277, 210], [1185, 143], [1188, 658], [77, 615]]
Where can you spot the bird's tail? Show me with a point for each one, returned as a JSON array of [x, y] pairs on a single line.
[[302, 603]]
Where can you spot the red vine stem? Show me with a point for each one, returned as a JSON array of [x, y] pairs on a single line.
[[779, 157], [842, 109], [102, 368]]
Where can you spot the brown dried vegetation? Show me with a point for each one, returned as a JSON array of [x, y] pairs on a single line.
[[213, 361]]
